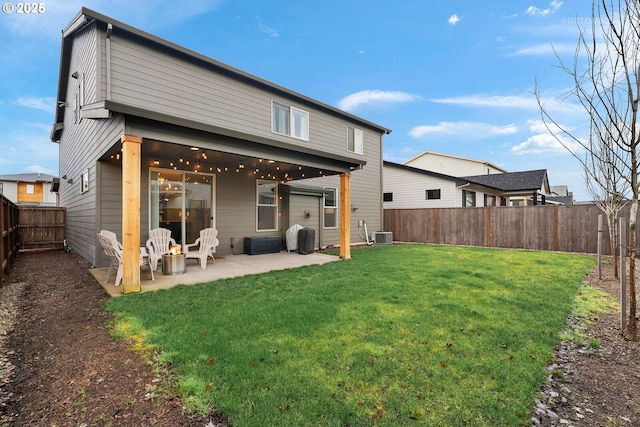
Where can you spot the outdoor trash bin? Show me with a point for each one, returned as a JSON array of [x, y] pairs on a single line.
[[306, 240]]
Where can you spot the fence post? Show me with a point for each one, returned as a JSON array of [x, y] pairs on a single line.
[[623, 274]]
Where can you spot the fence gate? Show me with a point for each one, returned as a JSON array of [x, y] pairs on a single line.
[[41, 228]]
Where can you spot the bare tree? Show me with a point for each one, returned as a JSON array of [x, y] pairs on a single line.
[[605, 167], [605, 73]]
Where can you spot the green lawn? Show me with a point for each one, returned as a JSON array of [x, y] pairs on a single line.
[[398, 335]]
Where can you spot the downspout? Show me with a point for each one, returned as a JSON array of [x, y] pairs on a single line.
[[458, 187], [108, 60]]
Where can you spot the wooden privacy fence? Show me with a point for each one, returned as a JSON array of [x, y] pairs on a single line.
[[8, 234], [571, 228], [41, 228]]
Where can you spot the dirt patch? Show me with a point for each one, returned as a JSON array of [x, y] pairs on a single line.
[[60, 366], [67, 370], [594, 387]]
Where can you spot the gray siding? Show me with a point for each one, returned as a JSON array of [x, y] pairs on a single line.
[[83, 143], [236, 209], [167, 84], [162, 82], [366, 190]]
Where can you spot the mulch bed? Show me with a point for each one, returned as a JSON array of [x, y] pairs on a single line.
[[69, 371], [59, 364]]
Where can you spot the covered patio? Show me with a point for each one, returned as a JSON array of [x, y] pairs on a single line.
[[224, 267]]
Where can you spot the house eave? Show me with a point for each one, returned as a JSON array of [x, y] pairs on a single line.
[[349, 162]]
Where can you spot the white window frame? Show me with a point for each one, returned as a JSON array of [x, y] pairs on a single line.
[[273, 205], [471, 201], [434, 192], [329, 208], [84, 181], [30, 189], [297, 125], [355, 140]]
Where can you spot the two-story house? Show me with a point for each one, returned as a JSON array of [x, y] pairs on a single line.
[[411, 187], [30, 189], [152, 134]]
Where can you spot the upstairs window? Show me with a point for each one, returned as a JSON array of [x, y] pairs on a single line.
[[355, 140], [290, 121]]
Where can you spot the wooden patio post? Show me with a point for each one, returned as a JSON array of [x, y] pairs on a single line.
[[131, 213], [345, 216]]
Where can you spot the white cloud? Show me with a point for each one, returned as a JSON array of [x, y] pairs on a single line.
[[494, 101], [375, 97], [546, 49], [470, 130], [542, 141], [269, 31], [454, 19], [28, 147], [537, 144], [44, 104], [524, 102], [554, 6]]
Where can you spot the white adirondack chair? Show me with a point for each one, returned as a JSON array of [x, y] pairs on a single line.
[[113, 249], [206, 243], [158, 244]]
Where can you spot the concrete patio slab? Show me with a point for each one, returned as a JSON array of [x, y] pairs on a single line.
[[224, 267]]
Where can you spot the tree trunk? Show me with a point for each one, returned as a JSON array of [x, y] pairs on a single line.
[[612, 220], [632, 328], [614, 249]]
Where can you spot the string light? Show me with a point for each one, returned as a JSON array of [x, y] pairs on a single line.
[[277, 171]]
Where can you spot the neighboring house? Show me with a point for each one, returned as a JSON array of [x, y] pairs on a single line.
[[452, 165], [159, 135], [520, 188], [30, 189], [561, 194], [407, 187]]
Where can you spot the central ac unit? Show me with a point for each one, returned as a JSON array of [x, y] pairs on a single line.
[[383, 237]]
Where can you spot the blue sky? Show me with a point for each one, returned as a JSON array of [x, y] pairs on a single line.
[[455, 77]]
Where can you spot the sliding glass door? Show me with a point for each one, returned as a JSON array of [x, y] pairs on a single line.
[[182, 202]]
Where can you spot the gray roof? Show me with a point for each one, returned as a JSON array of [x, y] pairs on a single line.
[[509, 181], [512, 181], [28, 177]]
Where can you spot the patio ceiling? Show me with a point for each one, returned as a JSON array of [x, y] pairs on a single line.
[[164, 155]]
